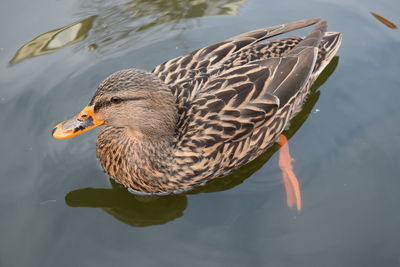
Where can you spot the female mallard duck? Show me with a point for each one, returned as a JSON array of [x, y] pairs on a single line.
[[204, 114]]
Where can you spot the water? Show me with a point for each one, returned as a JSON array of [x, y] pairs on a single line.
[[59, 209]]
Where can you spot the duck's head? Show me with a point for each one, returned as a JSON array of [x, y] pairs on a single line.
[[131, 98]]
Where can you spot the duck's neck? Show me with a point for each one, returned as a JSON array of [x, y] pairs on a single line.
[[140, 162]]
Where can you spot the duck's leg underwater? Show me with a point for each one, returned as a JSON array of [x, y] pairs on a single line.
[[292, 187]]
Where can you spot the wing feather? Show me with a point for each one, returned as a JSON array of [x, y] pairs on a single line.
[[209, 57], [232, 109]]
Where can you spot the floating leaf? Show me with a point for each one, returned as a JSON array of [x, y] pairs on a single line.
[[384, 21]]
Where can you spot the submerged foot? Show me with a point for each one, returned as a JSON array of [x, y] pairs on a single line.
[[292, 187]]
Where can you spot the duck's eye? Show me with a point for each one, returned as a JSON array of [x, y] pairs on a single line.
[[116, 100]]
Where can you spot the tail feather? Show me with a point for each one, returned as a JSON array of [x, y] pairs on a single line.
[[313, 39], [328, 47]]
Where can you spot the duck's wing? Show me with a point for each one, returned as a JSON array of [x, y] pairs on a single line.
[[241, 99], [235, 103], [295, 70], [180, 69]]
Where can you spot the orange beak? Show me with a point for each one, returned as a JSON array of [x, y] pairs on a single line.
[[84, 121]]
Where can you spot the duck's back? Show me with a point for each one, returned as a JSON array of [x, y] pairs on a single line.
[[235, 97]]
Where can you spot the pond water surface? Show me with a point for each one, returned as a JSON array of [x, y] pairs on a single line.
[[59, 209]]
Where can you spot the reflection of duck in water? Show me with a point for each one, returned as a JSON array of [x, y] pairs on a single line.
[[202, 115], [152, 210], [131, 209]]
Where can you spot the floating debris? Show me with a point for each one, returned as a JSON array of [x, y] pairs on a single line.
[[387, 22]]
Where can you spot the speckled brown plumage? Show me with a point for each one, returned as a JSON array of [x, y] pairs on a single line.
[[204, 114]]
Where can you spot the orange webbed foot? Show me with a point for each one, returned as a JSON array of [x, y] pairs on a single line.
[[292, 187]]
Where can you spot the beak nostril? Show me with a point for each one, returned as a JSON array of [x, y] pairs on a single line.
[[84, 116]]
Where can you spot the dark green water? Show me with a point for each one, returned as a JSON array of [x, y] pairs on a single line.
[[59, 209]]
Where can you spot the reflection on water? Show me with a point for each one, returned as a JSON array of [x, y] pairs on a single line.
[[128, 208], [385, 21], [124, 26], [176, 10], [53, 40], [138, 23], [151, 210]]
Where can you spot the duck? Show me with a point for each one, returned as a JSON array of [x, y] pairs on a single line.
[[202, 115]]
